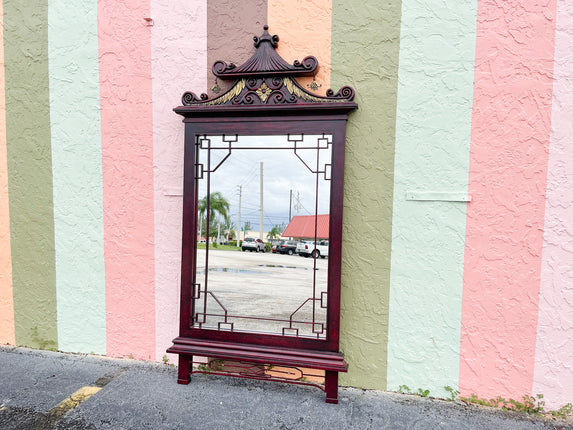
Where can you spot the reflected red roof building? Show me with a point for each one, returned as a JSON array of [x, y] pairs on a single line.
[[302, 226]]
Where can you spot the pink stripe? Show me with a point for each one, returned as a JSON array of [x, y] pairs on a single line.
[[554, 355], [127, 150], [171, 37], [508, 170], [7, 330]]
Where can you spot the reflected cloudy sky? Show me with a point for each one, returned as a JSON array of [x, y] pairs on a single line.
[[283, 171]]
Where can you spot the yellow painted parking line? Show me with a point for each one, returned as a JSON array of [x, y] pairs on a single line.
[[73, 401]]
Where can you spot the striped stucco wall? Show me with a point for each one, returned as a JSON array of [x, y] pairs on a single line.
[[430, 193], [511, 123], [77, 175], [172, 78], [7, 332], [306, 29], [456, 258], [29, 162], [553, 373], [127, 167], [367, 38]]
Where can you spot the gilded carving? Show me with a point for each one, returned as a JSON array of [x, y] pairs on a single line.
[[232, 93], [267, 79], [296, 91], [263, 92]]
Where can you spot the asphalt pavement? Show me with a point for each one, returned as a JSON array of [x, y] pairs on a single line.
[[51, 390]]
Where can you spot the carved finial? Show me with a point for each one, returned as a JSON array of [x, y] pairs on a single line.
[[265, 61], [267, 79], [266, 37]]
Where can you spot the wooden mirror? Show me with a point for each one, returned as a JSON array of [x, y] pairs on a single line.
[[248, 306], [279, 294]]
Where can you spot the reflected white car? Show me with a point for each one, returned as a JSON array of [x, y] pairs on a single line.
[[307, 249], [250, 244]]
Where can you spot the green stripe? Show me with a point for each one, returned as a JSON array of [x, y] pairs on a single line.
[[365, 45], [30, 172], [431, 180], [77, 171]]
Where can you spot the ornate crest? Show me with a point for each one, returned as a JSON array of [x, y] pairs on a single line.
[[267, 79]]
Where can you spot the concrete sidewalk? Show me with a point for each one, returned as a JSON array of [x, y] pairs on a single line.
[[128, 394]]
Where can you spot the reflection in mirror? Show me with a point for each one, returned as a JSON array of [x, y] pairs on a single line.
[[259, 189]]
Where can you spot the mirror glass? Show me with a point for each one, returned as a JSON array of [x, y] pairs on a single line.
[[262, 254]]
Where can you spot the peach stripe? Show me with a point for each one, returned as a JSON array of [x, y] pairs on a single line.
[[508, 172], [7, 332], [304, 29], [127, 152]]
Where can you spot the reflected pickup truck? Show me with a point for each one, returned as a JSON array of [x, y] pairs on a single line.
[[307, 249]]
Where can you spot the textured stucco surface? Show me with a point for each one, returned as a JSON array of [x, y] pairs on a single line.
[[6, 294], [508, 168], [437, 41], [304, 28], [77, 175], [411, 64], [127, 153], [365, 44], [171, 79], [554, 349], [30, 172], [231, 26]]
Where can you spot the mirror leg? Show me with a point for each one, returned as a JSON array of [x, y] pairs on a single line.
[[331, 386], [184, 373]]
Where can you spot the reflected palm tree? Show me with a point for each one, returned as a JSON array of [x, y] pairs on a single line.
[[276, 231], [218, 206]]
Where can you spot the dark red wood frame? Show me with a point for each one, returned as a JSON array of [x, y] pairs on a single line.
[[265, 100]]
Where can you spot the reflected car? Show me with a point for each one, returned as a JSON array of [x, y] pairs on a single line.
[[250, 244], [276, 245], [308, 248], [288, 247]]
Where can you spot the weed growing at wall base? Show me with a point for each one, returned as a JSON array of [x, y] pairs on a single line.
[[165, 360], [453, 393], [534, 405], [564, 411], [529, 404], [404, 389]]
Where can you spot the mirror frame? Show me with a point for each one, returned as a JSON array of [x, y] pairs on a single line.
[[264, 100]]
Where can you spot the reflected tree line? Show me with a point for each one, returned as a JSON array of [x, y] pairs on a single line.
[[220, 225]]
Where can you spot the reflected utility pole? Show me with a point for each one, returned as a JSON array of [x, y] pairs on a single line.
[[297, 205], [261, 191], [238, 231], [290, 207]]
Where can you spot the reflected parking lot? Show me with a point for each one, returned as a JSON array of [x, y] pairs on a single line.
[[263, 292]]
